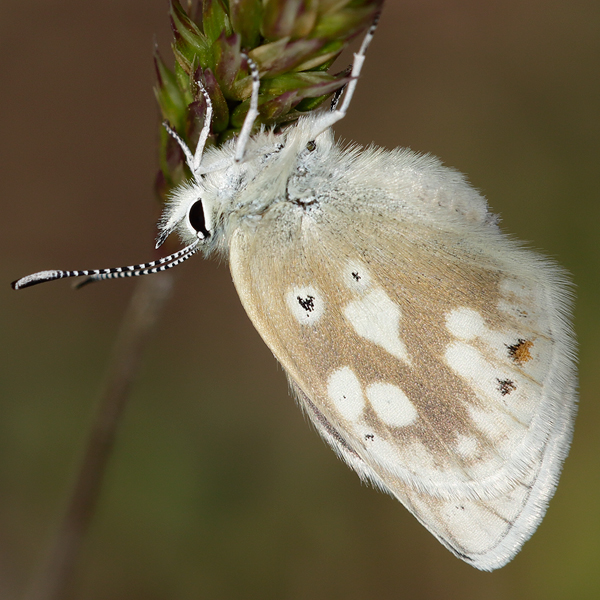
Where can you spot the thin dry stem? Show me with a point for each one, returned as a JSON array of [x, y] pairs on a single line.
[[56, 576]]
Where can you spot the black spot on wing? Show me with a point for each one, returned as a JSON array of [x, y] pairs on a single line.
[[506, 386], [308, 303]]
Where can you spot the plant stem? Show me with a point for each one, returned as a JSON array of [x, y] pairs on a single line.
[[54, 581]]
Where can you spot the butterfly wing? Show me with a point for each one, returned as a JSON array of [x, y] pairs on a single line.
[[430, 351]]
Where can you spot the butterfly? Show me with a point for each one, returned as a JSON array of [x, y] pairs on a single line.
[[432, 352]]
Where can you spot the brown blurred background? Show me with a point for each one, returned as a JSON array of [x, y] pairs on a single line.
[[218, 488]]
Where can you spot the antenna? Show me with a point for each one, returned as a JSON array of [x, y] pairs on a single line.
[[155, 266]]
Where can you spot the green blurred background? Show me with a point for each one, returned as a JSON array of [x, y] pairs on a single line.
[[218, 488]]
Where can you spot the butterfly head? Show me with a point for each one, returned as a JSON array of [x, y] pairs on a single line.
[[224, 192]]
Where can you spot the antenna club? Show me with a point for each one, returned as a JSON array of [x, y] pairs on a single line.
[[35, 278]]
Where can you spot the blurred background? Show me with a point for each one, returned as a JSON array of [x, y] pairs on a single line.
[[218, 488]]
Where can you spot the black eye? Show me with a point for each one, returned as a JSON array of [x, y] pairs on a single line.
[[196, 219], [311, 146]]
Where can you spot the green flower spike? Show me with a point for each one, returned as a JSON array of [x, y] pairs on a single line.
[[293, 43]]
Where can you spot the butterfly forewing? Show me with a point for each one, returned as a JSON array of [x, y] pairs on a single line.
[[429, 355]]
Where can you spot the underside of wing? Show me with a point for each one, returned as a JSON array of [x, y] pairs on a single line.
[[438, 362]]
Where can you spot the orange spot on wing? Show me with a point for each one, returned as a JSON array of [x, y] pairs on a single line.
[[519, 352]]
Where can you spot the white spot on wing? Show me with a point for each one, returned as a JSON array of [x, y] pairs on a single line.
[[385, 453], [469, 363], [465, 323], [418, 455], [376, 318], [345, 392], [391, 404], [356, 277], [306, 304]]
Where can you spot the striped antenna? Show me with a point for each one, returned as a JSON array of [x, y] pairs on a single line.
[[155, 266]]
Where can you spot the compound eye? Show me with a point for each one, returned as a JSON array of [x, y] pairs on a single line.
[[197, 220]]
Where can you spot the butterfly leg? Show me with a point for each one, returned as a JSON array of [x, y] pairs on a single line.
[[193, 162], [337, 114], [339, 93], [205, 129], [189, 159], [252, 112]]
